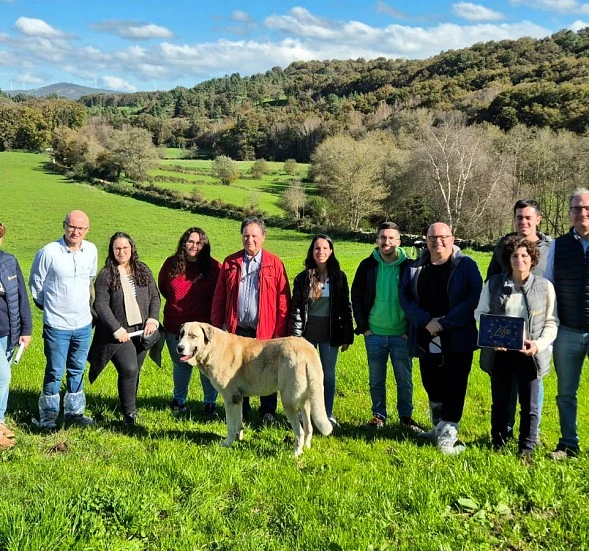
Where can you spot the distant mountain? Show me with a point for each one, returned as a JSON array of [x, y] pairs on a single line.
[[62, 89]]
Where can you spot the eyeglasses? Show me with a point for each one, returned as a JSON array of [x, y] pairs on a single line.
[[579, 209], [434, 238], [193, 243], [74, 228]]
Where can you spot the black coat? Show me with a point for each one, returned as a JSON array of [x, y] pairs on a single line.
[[341, 329], [110, 308], [364, 290]]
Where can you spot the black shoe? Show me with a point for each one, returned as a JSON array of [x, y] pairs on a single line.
[[177, 407], [269, 419], [210, 412], [130, 419]]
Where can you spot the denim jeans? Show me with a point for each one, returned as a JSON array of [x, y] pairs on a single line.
[[328, 355], [570, 348], [182, 373], [65, 350], [379, 348], [4, 376]]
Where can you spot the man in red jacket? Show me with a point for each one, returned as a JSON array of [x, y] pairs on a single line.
[[252, 298]]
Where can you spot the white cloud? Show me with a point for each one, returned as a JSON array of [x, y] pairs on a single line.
[[241, 17], [116, 83], [6, 59], [37, 27], [133, 30], [383, 7], [476, 12], [301, 22], [562, 6], [578, 25], [27, 78], [304, 37]]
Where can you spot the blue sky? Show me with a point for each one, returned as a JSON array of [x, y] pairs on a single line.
[[131, 45]]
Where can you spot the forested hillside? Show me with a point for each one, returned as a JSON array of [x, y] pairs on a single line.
[[286, 113], [457, 137]]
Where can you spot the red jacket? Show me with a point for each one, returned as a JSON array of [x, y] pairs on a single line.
[[274, 301]]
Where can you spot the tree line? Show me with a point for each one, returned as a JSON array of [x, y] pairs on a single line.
[[457, 137]]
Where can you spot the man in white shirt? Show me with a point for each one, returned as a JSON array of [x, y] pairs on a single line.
[[60, 281]]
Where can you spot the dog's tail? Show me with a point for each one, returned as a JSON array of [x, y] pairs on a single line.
[[315, 386]]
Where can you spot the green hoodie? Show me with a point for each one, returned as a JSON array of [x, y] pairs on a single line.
[[386, 316]]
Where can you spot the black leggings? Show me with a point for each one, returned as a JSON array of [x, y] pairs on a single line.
[[505, 367], [128, 361]]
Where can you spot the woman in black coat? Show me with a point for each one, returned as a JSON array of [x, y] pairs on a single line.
[[321, 310], [127, 302]]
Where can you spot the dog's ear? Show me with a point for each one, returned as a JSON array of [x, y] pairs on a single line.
[[208, 332], [179, 331]]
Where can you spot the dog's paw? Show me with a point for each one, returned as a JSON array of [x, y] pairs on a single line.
[[240, 435]]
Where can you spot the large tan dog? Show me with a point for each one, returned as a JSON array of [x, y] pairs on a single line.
[[241, 366]]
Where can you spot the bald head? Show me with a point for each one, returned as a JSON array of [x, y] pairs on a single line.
[[76, 226], [440, 242]]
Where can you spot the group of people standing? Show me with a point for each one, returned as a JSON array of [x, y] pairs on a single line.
[[425, 308]]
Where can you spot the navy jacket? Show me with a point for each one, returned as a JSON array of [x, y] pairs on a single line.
[[19, 321], [464, 290]]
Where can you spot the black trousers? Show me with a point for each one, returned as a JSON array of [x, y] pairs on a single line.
[[128, 361], [445, 378], [506, 366], [269, 403]]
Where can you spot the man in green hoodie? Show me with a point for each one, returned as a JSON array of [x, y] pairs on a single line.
[[379, 317]]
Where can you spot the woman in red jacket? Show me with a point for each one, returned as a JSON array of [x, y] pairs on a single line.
[[187, 281]]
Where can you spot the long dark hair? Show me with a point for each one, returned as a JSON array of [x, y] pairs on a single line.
[[203, 258], [331, 266], [139, 271]]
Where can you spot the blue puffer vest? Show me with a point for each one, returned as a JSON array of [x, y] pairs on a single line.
[[571, 282], [9, 280]]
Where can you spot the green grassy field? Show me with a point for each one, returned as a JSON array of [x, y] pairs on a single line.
[[265, 193], [171, 486]]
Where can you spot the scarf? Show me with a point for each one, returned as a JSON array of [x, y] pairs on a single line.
[[131, 307]]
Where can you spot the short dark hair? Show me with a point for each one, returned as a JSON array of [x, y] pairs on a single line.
[[387, 226], [511, 244], [253, 220], [2, 229], [523, 203]]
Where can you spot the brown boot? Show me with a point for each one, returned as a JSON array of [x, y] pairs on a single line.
[[6, 443], [5, 431]]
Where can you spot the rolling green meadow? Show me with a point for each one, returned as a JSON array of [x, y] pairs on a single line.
[[264, 193], [170, 485]]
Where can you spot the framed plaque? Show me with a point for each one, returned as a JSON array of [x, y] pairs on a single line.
[[501, 332]]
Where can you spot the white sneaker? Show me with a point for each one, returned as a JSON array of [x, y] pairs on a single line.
[[447, 438]]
